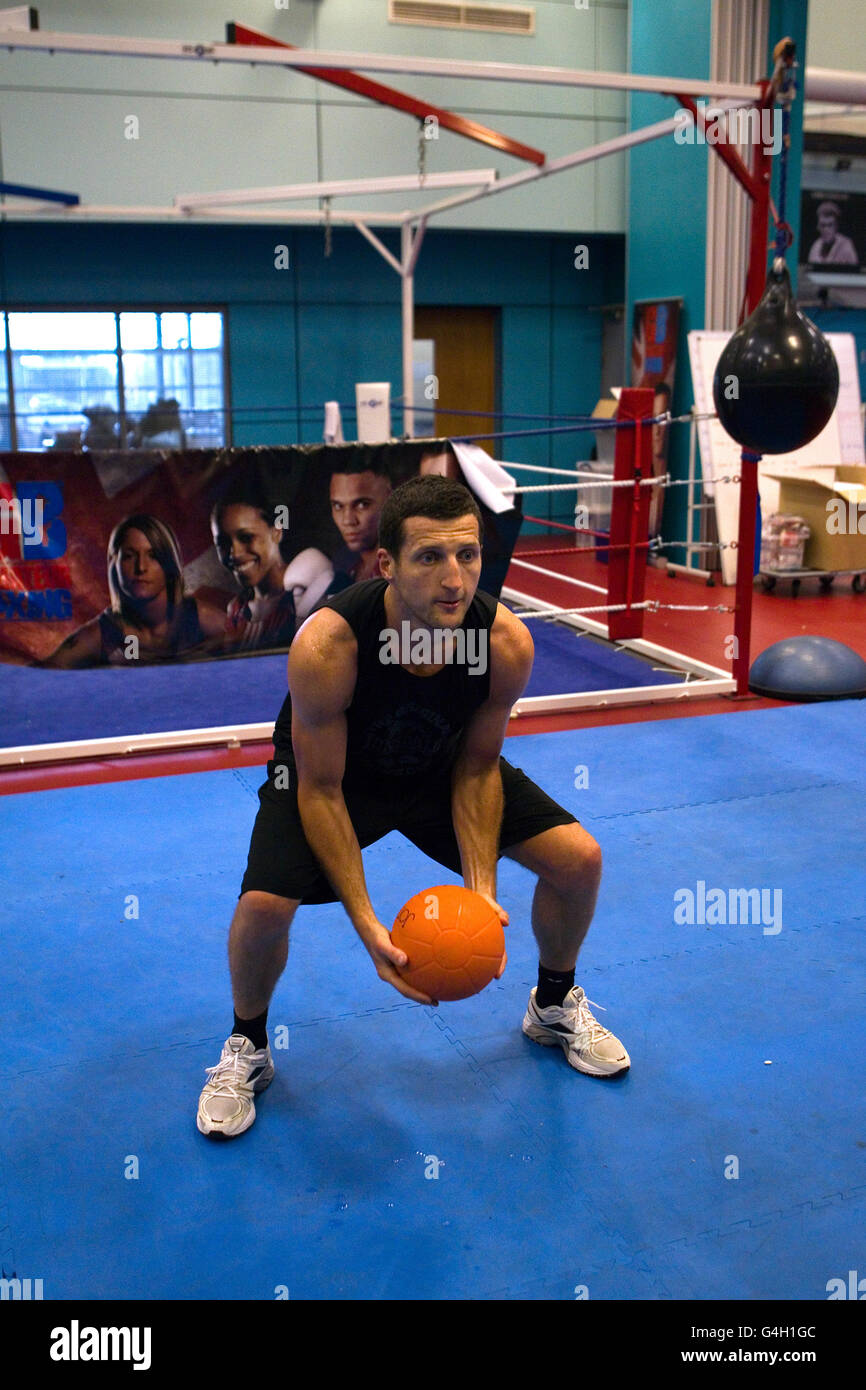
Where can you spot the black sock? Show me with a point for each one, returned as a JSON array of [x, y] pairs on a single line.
[[256, 1029], [553, 986]]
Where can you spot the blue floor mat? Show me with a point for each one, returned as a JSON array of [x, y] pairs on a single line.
[[746, 1044]]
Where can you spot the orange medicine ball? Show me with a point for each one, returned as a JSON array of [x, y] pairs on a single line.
[[453, 939]]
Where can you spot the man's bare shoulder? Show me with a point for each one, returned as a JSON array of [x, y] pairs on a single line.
[[324, 636], [511, 654], [323, 662], [510, 638]]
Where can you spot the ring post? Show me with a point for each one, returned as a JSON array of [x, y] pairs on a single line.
[[745, 569], [629, 514]]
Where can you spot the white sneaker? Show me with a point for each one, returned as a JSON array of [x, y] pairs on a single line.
[[226, 1107], [588, 1046]]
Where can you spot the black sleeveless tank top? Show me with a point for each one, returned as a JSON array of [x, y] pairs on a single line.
[[400, 725]]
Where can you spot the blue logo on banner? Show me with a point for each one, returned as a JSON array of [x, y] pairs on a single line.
[[53, 543]]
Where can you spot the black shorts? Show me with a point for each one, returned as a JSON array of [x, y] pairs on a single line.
[[281, 862]]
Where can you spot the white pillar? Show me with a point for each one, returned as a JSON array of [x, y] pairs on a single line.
[[408, 294], [739, 45]]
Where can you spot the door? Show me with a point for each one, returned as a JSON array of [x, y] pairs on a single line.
[[465, 364]]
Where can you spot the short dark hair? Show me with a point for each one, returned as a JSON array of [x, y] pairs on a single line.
[[352, 462], [438, 498]]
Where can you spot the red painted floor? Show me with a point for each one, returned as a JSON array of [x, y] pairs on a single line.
[[840, 614]]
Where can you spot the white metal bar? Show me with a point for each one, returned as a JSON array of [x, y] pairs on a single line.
[[379, 245], [336, 188], [834, 85], [151, 214], [416, 246], [407, 300], [688, 570], [230, 736], [103, 210], [556, 166], [821, 84], [690, 503], [294, 215], [627, 695], [110, 45]]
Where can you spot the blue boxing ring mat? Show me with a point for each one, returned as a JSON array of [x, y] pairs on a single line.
[[726, 1164]]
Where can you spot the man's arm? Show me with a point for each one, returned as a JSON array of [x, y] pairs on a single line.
[[322, 674], [476, 782]]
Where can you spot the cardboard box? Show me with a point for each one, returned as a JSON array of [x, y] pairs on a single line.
[[845, 492], [605, 440]]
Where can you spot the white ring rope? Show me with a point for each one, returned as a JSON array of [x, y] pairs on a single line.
[[566, 578], [652, 605], [567, 612], [663, 480]]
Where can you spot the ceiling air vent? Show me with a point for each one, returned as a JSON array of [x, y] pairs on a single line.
[[443, 14]]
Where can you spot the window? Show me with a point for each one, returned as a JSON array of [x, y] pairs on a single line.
[[113, 380]]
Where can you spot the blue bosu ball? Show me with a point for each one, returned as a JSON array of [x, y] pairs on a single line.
[[808, 668]]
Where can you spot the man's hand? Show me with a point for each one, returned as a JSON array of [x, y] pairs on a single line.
[[386, 956], [503, 917]]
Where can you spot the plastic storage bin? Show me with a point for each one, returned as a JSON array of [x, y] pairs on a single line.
[[783, 543]]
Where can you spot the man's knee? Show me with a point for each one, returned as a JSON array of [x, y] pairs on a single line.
[[578, 860], [265, 912], [565, 856]]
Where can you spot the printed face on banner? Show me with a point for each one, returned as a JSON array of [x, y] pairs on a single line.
[[206, 553]]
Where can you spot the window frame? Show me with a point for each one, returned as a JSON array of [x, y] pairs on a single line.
[[117, 308]]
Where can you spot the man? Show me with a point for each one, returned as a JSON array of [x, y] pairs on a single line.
[[830, 247], [365, 745], [356, 503], [661, 405]]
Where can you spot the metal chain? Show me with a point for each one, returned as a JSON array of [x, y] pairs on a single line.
[[422, 153]]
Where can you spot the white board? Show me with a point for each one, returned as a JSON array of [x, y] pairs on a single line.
[[841, 440]]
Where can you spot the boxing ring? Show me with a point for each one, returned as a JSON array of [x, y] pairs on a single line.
[[619, 607], [614, 614]]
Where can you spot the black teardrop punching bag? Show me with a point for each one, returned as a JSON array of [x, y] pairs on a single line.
[[777, 380]]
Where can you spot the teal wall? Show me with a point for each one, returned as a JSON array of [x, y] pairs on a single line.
[[300, 336]]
